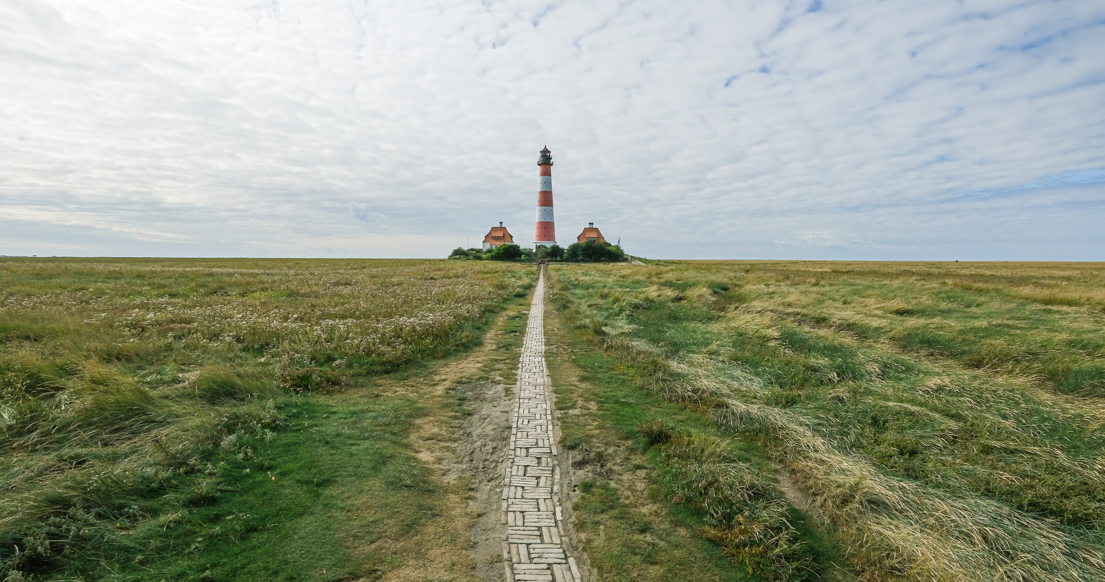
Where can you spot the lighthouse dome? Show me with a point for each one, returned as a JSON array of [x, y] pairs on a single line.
[[545, 158]]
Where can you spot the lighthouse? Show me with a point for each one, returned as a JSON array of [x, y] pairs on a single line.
[[546, 232]]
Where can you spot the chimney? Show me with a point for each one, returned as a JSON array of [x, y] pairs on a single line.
[[590, 225], [500, 224]]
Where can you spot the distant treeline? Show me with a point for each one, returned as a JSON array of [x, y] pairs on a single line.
[[585, 252]]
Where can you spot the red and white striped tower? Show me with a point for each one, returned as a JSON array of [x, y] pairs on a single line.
[[546, 232]]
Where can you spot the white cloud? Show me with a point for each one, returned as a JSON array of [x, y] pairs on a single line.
[[708, 129]]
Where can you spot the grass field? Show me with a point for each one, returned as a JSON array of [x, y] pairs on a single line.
[[916, 421], [191, 419], [743, 421]]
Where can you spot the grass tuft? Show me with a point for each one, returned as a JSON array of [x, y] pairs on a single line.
[[220, 383]]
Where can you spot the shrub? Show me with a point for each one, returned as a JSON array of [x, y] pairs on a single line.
[[594, 252], [474, 254], [507, 252], [552, 253]]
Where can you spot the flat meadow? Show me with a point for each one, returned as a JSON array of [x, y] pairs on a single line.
[[183, 419], [737, 420], [843, 420]]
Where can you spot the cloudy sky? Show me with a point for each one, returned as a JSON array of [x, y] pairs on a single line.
[[706, 129]]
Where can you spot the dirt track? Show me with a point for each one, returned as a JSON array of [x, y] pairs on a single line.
[[472, 452]]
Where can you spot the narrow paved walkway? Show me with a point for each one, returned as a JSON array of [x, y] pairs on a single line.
[[534, 550]]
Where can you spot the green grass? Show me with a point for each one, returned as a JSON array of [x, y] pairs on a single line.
[[514, 332], [720, 507], [216, 420], [939, 415], [265, 487], [290, 496]]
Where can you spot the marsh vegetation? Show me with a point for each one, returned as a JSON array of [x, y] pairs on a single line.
[[229, 419], [913, 421], [185, 419]]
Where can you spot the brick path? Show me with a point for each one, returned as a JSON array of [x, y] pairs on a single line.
[[534, 549]]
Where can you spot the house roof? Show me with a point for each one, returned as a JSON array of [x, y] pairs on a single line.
[[590, 233], [498, 235]]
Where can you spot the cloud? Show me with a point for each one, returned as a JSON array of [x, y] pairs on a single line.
[[363, 212], [710, 129], [821, 240]]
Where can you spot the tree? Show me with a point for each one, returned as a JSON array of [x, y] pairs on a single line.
[[555, 252], [467, 255], [507, 252], [593, 251]]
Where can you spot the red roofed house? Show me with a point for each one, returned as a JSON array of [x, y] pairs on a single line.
[[498, 236], [590, 233]]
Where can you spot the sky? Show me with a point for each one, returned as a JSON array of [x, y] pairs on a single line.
[[820, 129]]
